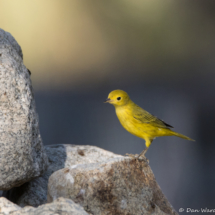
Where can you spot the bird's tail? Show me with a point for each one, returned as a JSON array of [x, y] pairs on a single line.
[[181, 135]]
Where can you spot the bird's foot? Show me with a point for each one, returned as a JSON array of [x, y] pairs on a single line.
[[143, 158], [132, 155], [136, 156]]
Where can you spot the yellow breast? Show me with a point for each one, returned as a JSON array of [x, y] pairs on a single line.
[[129, 123], [142, 130]]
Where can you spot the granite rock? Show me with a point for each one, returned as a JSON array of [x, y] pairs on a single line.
[[119, 185], [60, 206], [34, 193], [6, 207], [22, 156]]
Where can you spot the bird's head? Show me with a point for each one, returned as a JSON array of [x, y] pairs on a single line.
[[118, 98]]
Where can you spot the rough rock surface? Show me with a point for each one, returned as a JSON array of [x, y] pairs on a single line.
[[115, 186], [22, 156], [59, 206], [34, 193], [6, 207]]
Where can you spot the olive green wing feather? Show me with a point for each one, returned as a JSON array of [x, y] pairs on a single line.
[[143, 116]]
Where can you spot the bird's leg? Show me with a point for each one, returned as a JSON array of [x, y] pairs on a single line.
[[148, 143], [143, 152], [141, 156], [136, 156]]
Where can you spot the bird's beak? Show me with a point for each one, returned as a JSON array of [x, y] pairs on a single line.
[[107, 100]]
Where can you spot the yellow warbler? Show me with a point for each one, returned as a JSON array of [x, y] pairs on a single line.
[[138, 121]]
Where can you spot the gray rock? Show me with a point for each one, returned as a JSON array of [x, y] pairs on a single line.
[[22, 156], [59, 206], [115, 186], [34, 193], [6, 207]]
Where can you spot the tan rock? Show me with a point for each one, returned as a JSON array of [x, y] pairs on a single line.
[[6, 207], [60, 206], [115, 186]]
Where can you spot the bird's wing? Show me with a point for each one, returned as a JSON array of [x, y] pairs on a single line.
[[143, 116]]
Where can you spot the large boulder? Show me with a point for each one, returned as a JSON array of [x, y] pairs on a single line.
[[60, 206], [34, 193], [22, 156], [120, 185]]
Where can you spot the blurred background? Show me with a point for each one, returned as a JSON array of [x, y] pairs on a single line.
[[161, 52]]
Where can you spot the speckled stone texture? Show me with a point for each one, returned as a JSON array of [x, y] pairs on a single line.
[[116, 186], [22, 156], [34, 193], [6, 207], [60, 206]]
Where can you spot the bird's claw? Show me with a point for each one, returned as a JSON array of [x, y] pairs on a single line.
[[143, 158], [136, 156], [131, 155]]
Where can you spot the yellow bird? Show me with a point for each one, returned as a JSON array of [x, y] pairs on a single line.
[[138, 121]]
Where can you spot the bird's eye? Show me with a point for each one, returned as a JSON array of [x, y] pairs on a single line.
[[119, 98]]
